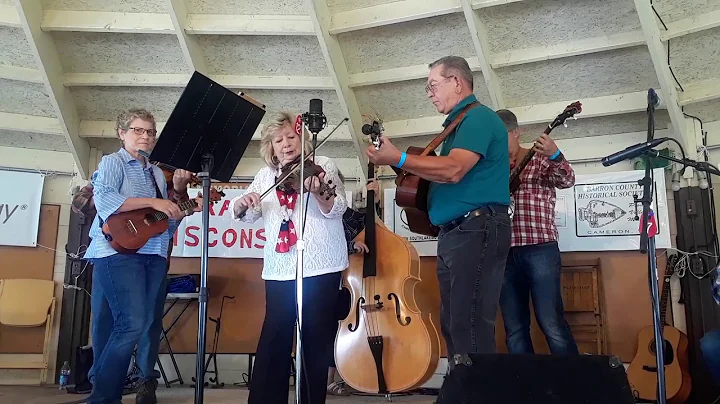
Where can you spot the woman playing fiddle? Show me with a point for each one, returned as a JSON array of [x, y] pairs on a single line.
[[128, 296], [325, 257]]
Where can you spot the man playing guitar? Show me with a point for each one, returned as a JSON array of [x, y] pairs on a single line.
[[468, 200], [533, 264]]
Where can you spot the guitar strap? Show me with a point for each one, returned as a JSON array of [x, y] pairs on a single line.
[[448, 129]]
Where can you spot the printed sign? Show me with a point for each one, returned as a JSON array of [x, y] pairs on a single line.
[[395, 219], [20, 209], [227, 237], [605, 214]]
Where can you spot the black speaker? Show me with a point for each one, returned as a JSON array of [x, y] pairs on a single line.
[[536, 379]]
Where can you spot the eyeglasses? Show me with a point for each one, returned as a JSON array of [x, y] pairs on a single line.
[[431, 88], [141, 131]]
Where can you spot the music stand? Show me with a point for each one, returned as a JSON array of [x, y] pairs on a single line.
[[207, 133]]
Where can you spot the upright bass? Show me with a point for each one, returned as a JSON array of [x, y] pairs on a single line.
[[386, 344]]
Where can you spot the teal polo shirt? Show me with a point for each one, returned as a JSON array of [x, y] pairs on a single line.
[[488, 182]]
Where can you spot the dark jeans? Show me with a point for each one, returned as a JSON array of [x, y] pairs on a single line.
[[127, 294], [710, 346], [470, 265], [271, 374], [534, 270]]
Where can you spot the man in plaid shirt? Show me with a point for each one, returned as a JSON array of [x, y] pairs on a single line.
[[533, 263]]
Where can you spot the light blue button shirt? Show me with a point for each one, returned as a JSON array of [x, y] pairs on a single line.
[[120, 176]]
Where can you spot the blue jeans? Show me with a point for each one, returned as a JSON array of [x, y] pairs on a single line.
[[128, 294], [710, 346], [470, 264], [534, 270]]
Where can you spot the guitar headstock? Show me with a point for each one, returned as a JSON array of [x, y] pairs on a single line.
[[569, 112], [374, 130]]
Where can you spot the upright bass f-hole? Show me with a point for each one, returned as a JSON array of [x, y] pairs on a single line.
[[359, 304], [392, 296]]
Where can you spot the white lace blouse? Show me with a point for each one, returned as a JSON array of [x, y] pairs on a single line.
[[325, 245]]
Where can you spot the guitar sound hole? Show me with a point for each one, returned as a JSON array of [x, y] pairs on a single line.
[[668, 352]]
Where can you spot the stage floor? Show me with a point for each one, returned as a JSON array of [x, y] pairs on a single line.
[[181, 395]]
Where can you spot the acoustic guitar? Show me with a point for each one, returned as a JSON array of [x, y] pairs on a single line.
[[642, 372], [129, 231], [569, 112], [411, 191]]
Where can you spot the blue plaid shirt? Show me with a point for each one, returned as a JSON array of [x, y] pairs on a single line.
[[119, 176]]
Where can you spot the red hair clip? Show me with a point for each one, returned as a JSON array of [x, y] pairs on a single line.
[[298, 125]]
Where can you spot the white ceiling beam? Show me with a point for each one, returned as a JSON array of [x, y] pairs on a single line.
[[532, 114], [390, 13], [181, 80], [9, 16], [20, 74], [399, 74], [691, 25], [337, 67], [490, 3], [217, 24], [190, 46], [478, 33], [567, 49], [668, 92], [30, 124], [101, 21], [706, 90], [594, 148], [106, 129], [48, 61], [44, 160]]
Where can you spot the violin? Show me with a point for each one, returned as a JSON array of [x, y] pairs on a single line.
[[386, 344], [290, 177], [169, 171]]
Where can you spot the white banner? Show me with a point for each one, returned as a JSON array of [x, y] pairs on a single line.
[[20, 209], [228, 238], [597, 214]]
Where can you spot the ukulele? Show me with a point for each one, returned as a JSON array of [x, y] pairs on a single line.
[[570, 111], [129, 231], [642, 372], [411, 192]]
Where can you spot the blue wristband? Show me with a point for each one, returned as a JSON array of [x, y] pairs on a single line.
[[555, 155], [403, 156]]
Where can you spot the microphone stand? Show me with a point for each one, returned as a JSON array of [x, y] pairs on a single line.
[[647, 246], [300, 257]]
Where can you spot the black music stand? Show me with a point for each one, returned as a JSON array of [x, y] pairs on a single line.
[[207, 133]]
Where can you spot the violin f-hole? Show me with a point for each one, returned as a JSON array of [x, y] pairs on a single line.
[[359, 304], [392, 296]]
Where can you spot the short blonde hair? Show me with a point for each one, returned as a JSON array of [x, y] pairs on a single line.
[[271, 128], [126, 117]]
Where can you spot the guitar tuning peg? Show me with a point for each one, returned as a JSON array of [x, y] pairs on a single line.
[[574, 117], [565, 124]]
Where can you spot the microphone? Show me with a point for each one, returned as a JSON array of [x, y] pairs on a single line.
[[314, 118], [631, 152], [653, 99]]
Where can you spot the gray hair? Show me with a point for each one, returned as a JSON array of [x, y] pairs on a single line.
[[271, 128], [125, 118], [510, 120], [455, 65]]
